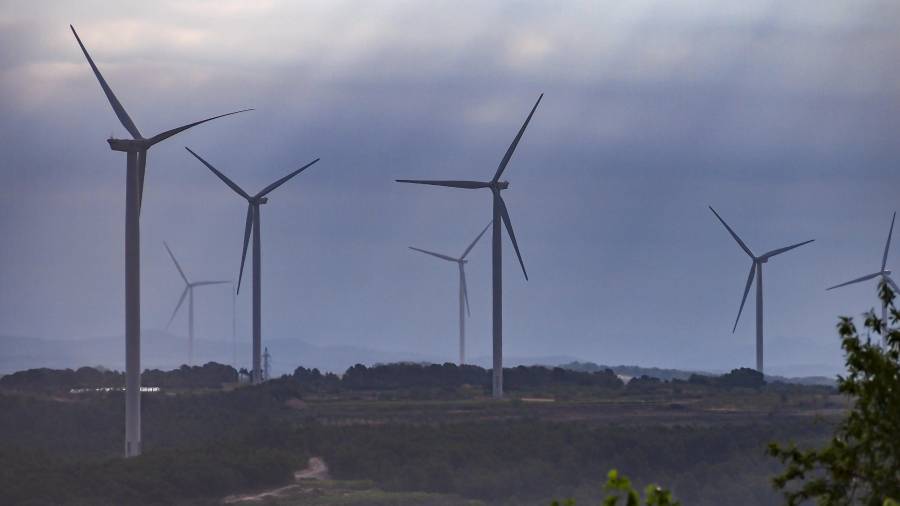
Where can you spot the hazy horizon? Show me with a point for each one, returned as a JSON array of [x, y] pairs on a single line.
[[781, 116], [164, 350]]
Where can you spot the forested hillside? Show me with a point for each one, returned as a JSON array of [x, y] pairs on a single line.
[[557, 436]]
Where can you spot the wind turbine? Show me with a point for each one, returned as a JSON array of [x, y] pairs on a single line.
[[463, 290], [136, 162], [885, 274], [501, 214], [189, 293], [253, 220], [756, 268]]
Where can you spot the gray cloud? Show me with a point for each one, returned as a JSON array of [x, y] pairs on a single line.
[[781, 115]]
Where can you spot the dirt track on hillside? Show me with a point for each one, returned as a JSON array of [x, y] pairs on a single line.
[[315, 470]]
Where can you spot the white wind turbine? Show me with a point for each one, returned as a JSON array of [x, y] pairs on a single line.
[[252, 224], [501, 215], [883, 273], [756, 268], [136, 151], [463, 289], [189, 293]]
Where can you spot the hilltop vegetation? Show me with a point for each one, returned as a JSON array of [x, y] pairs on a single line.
[[404, 427], [211, 375], [432, 379]]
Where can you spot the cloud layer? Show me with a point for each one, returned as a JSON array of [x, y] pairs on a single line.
[[782, 116]]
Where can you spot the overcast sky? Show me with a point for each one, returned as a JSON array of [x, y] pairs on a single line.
[[782, 115]]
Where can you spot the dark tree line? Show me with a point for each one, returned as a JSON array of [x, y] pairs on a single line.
[[210, 375], [451, 377], [427, 378]]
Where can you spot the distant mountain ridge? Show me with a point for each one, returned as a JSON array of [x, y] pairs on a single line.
[[161, 350], [633, 371]]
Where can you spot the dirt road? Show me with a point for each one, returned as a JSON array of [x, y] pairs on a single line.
[[316, 469]]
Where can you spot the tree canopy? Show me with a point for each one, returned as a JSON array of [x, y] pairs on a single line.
[[861, 462]]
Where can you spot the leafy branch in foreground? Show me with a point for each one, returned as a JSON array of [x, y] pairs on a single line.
[[620, 487], [861, 463]]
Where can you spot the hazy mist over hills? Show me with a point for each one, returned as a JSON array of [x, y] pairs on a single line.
[[162, 350]]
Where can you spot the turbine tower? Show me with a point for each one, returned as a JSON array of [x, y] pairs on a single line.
[[252, 224], [233, 326], [756, 268], [189, 293], [501, 214], [136, 162], [463, 290], [883, 273]]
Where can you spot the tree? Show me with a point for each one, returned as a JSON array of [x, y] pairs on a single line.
[[861, 462], [620, 487]]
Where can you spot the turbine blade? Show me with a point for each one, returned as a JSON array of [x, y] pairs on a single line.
[[442, 257], [887, 245], [247, 228], [465, 290], [733, 234], [515, 142], [504, 214], [854, 281], [469, 185], [893, 285], [223, 177], [779, 251], [169, 133], [113, 101], [207, 283], [469, 249], [177, 266], [283, 180], [746, 291], [178, 306], [142, 171]]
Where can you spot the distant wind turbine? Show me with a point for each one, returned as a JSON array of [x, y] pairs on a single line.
[[136, 150], [756, 268], [463, 290], [500, 215], [252, 223], [189, 293], [884, 273]]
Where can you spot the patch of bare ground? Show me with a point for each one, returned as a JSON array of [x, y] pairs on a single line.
[[537, 399], [316, 470]]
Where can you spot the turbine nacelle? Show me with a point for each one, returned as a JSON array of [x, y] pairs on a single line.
[[500, 185], [260, 200], [129, 145]]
